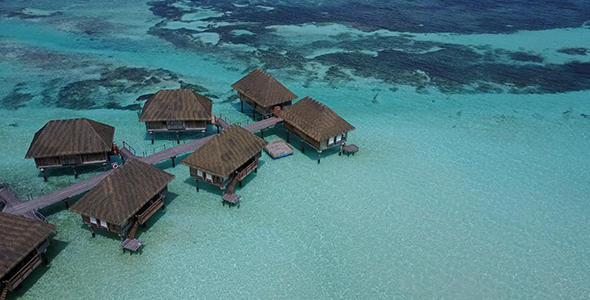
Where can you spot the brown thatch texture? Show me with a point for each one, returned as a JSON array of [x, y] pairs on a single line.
[[315, 119], [120, 195], [71, 137], [226, 152], [263, 89], [18, 237], [176, 105]]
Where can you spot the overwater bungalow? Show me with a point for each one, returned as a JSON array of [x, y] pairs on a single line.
[[71, 143], [176, 111], [23, 243], [124, 200], [315, 124], [262, 92], [226, 159]]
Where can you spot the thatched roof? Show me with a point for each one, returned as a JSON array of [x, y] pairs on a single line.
[[315, 119], [120, 195], [263, 89], [176, 105], [18, 237], [226, 152], [71, 137]]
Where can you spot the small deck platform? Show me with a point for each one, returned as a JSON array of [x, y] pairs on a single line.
[[231, 198], [278, 149], [350, 149], [131, 244]]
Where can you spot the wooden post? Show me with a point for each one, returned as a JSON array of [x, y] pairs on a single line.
[[288, 136], [262, 133], [240, 183], [177, 137], [75, 172], [242, 104], [217, 128], [67, 205], [302, 146], [253, 113], [340, 152], [255, 170], [197, 181], [173, 164], [319, 156], [203, 133], [44, 174], [104, 165], [152, 134], [92, 230]]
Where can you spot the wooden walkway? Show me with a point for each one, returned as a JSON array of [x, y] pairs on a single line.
[[222, 123], [30, 207]]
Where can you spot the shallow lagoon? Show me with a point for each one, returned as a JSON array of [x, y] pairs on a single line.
[[451, 195]]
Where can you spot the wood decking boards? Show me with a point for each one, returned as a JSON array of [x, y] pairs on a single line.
[[278, 149], [24, 208]]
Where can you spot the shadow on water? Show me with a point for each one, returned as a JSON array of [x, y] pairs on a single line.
[[55, 247]]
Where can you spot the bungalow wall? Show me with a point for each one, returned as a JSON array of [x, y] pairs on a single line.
[[222, 182], [266, 111], [22, 270], [319, 145], [175, 125], [68, 160]]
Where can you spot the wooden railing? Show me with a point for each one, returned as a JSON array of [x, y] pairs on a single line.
[[150, 210], [13, 282], [247, 170]]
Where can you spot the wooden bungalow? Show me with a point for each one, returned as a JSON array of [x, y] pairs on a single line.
[[71, 143], [262, 92], [124, 199], [227, 158], [176, 111], [23, 243], [315, 124]]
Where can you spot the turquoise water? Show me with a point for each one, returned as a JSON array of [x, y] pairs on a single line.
[[453, 195]]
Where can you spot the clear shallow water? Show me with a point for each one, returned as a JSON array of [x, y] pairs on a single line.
[[452, 196]]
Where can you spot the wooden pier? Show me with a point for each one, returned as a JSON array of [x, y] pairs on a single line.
[[30, 208]]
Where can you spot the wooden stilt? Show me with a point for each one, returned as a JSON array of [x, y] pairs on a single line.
[[253, 113], [152, 135], [319, 156], [302, 147], [288, 136], [44, 175], [255, 170], [104, 165], [173, 164], [75, 172], [67, 205], [262, 133], [340, 152], [44, 258], [92, 230], [178, 137], [242, 104], [197, 181], [240, 183]]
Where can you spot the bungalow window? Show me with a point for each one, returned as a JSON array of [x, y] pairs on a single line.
[[209, 177], [200, 173], [338, 138], [103, 224], [93, 220], [331, 141]]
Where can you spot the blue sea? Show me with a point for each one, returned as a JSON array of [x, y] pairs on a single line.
[[472, 118]]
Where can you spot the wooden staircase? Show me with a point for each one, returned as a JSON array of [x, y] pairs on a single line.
[[232, 185], [131, 234], [4, 292]]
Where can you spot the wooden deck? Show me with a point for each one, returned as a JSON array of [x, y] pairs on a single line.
[[278, 149], [131, 244], [28, 208], [263, 124]]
